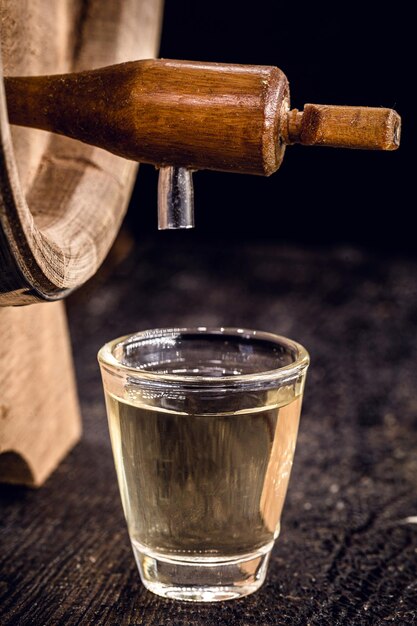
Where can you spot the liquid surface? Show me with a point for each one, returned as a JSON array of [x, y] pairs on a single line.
[[202, 485]]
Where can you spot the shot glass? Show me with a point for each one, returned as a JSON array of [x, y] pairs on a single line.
[[203, 425]]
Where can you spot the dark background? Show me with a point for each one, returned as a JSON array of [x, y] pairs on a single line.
[[355, 54]]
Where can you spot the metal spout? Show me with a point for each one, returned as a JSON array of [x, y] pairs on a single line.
[[175, 198]]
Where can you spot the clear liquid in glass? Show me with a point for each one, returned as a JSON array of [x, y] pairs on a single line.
[[203, 486]]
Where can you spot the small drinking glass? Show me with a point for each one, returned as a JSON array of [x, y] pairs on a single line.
[[203, 425]]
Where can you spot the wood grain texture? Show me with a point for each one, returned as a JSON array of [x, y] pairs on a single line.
[[39, 412], [35, 41], [52, 235], [346, 554], [365, 128], [198, 115], [192, 114], [61, 221]]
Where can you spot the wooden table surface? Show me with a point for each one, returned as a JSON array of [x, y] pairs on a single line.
[[347, 554]]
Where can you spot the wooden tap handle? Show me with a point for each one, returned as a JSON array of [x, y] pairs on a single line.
[[196, 115], [365, 128]]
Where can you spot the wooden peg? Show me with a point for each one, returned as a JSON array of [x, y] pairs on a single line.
[[193, 115], [366, 128]]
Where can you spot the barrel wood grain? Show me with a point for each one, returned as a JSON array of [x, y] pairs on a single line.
[[61, 204], [51, 249]]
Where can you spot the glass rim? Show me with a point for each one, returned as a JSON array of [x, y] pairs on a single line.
[[280, 374]]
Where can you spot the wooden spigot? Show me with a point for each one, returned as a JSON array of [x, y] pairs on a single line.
[[197, 115], [193, 115]]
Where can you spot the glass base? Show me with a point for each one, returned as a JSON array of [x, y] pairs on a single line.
[[202, 579]]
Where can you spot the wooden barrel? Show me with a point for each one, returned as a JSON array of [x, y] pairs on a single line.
[[61, 205], [61, 202]]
